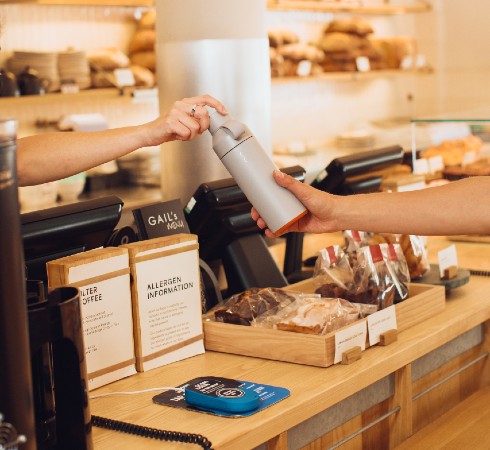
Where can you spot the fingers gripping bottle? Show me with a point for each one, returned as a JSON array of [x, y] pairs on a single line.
[[252, 168]]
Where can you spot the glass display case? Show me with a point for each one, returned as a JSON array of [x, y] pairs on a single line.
[[453, 145]]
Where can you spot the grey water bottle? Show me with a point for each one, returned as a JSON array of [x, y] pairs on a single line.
[[252, 168]]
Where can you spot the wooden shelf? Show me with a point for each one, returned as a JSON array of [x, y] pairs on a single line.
[[348, 7], [98, 2], [359, 7], [137, 95], [352, 76]]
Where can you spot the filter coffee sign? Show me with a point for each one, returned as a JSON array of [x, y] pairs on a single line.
[[160, 219]]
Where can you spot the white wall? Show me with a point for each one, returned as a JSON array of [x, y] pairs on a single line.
[[455, 36], [54, 28]]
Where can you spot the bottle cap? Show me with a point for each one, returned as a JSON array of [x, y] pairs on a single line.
[[216, 120]]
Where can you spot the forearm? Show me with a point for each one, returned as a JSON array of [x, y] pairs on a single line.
[[53, 156], [460, 207]]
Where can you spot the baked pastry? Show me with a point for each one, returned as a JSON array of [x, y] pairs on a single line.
[[395, 51], [145, 58], [107, 59], [413, 249], [277, 63], [318, 316], [354, 25], [147, 20], [142, 40], [143, 76], [453, 150], [281, 36], [345, 43], [243, 308], [293, 54], [479, 168]]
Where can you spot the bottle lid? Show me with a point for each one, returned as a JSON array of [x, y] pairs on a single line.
[[216, 120]]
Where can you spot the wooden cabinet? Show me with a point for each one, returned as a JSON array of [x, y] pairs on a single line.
[[376, 402]]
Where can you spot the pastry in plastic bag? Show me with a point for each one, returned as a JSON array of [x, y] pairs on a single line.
[[316, 315], [398, 269], [413, 248], [243, 308], [333, 269], [355, 239], [334, 276], [382, 265]]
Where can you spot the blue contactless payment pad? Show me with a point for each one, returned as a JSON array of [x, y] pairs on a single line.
[[223, 397], [216, 395]]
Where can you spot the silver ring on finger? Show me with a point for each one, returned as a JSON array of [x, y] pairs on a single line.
[[193, 110]]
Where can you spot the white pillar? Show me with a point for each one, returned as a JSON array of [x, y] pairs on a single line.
[[215, 47]]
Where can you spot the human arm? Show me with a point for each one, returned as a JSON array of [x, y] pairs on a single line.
[[52, 156], [459, 207]]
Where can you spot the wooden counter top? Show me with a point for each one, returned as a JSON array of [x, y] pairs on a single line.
[[312, 389]]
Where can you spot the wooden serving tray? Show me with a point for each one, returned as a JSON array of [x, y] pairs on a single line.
[[470, 238], [424, 302]]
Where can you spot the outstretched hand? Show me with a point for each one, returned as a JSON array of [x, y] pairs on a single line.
[[185, 120], [320, 207]]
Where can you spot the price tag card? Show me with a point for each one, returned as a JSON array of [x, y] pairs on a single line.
[[124, 77], [447, 258], [379, 322], [353, 336], [420, 61], [304, 68], [421, 166], [407, 62], [69, 87], [469, 158], [363, 64], [436, 164]]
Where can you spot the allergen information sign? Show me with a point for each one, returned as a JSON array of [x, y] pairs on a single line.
[[166, 300]]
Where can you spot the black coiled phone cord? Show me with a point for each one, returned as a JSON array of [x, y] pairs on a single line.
[[153, 433]]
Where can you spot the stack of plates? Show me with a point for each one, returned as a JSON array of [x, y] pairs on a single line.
[[45, 63], [73, 66], [355, 139], [142, 167]]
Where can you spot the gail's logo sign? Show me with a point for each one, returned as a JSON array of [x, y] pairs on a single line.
[[160, 219], [169, 219]]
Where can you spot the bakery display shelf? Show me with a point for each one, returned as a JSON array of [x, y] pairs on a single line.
[[140, 95], [353, 76], [359, 7], [136, 3], [424, 302]]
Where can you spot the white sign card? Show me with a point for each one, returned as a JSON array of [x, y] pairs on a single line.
[[353, 336], [124, 77], [169, 306], [380, 322], [421, 166], [469, 158], [436, 164], [107, 319], [304, 68], [447, 258], [363, 64]]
